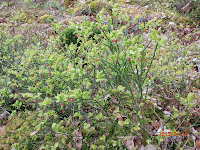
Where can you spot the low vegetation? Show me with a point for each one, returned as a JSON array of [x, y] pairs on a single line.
[[113, 75]]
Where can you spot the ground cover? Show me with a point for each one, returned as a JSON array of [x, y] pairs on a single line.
[[99, 75]]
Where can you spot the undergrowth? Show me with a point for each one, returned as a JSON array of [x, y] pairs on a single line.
[[94, 86]]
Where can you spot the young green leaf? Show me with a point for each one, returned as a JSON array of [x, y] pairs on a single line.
[[120, 88]]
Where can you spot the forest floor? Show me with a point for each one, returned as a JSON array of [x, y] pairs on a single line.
[[169, 105]]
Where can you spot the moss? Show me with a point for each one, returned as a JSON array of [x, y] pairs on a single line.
[[4, 26], [46, 19], [20, 17], [124, 2], [77, 10], [5, 147], [93, 7], [196, 83], [41, 12], [5, 14], [96, 6], [76, 20], [18, 130], [23, 16], [13, 124], [68, 2], [130, 11], [183, 20], [4, 5]]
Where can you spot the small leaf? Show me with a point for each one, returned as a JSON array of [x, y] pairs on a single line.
[[131, 52], [190, 97], [127, 121], [77, 114], [70, 67], [93, 146], [103, 138], [141, 26], [117, 109], [121, 123], [56, 145], [90, 114], [86, 126], [120, 88], [137, 17], [99, 116], [137, 128], [53, 125], [100, 76]]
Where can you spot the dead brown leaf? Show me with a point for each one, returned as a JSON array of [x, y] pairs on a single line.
[[198, 143], [114, 100], [157, 125], [78, 139], [64, 124], [133, 141], [150, 147], [120, 117], [4, 20], [2, 130], [130, 143], [69, 145], [3, 115]]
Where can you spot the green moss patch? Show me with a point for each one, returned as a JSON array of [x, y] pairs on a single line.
[[46, 19], [93, 7]]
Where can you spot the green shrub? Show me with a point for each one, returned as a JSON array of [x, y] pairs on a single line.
[[68, 36], [107, 99]]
